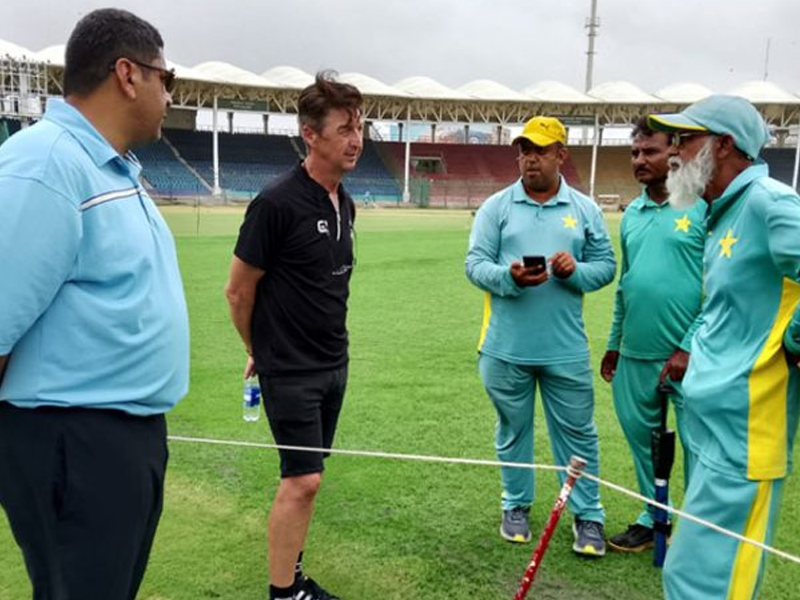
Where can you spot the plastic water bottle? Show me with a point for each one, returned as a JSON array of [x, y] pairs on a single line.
[[251, 396]]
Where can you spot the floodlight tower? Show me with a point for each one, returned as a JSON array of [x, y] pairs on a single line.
[[592, 24]]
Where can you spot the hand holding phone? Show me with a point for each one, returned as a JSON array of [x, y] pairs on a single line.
[[532, 271], [534, 261]]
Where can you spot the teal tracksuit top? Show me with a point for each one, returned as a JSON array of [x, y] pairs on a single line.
[[540, 325], [741, 394], [660, 286]]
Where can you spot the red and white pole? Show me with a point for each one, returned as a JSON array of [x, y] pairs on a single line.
[[574, 471]]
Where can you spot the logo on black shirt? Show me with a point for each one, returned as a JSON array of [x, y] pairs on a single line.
[[343, 270], [322, 227]]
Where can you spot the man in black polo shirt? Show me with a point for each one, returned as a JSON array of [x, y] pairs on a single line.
[[287, 293]]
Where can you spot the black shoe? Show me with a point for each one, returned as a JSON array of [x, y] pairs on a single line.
[[308, 589], [637, 538]]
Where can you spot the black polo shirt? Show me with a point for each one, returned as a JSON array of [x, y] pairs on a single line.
[[292, 231]]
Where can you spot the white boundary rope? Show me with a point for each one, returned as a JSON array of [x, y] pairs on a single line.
[[698, 520], [493, 463]]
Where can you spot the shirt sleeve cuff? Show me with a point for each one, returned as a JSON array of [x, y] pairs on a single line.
[[573, 281], [510, 287]]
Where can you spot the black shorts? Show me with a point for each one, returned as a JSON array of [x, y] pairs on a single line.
[[303, 411]]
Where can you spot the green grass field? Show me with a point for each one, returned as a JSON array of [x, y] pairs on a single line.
[[384, 529]]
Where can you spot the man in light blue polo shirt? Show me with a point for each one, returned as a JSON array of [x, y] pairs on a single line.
[[742, 387], [93, 322], [536, 247]]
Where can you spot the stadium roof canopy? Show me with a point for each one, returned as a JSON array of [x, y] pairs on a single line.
[[764, 92], [371, 86], [10, 50], [426, 100], [51, 54], [54, 56], [290, 77], [621, 92], [425, 87], [222, 72], [683, 93], [557, 92], [486, 89]]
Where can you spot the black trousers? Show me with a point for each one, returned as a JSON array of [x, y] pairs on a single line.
[[83, 491]]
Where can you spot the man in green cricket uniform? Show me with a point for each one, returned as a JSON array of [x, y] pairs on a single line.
[[655, 315], [533, 333], [742, 386]]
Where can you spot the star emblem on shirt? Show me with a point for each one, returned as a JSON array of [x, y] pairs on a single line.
[[569, 222], [727, 243], [683, 224]]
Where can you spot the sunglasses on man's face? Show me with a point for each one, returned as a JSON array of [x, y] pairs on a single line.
[[679, 138], [167, 75]]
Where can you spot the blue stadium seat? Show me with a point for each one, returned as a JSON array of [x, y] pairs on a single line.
[[371, 175], [250, 161], [247, 161], [781, 163], [168, 175]]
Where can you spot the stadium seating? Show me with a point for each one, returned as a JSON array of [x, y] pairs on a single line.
[[167, 175], [12, 126], [614, 174], [459, 161], [781, 163], [447, 175], [371, 175], [247, 161], [464, 174]]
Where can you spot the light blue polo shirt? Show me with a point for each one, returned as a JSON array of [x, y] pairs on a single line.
[[540, 325], [92, 310]]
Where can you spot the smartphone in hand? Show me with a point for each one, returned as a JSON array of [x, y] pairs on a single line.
[[539, 262]]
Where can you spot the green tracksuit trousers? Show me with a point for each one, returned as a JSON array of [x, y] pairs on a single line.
[[568, 401], [639, 413]]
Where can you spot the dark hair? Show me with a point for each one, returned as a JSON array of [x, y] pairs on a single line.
[[641, 127], [324, 95], [99, 39]]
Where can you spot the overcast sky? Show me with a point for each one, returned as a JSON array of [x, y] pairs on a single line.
[[719, 43]]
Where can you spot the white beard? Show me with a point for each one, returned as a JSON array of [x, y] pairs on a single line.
[[687, 181]]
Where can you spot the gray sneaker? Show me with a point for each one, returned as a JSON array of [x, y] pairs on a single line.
[[589, 538], [514, 526]]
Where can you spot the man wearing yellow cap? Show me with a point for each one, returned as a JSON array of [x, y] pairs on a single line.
[[742, 387], [535, 248]]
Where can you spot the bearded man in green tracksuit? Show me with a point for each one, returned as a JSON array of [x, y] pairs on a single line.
[[655, 315], [742, 388]]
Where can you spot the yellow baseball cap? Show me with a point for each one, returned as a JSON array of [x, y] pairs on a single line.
[[543, 131]]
